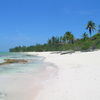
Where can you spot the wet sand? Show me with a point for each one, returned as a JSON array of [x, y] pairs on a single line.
[[25, 86]]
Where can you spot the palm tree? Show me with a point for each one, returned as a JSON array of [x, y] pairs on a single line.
[[69, 37], [91, 27], [85, 36]]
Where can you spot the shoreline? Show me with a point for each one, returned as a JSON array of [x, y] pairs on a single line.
[[78, 76], [24, 86], [73, 76]]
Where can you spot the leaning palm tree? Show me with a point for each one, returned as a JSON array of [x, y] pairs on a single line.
[[91, 27], [85, 36]]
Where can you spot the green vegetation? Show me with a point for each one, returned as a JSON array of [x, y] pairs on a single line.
[[67, 42], [91, 27]]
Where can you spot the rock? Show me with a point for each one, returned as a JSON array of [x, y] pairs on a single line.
[[10, 61]]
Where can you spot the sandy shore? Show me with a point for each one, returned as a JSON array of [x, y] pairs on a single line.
[[73, 76], [27, 85], [78, 77]]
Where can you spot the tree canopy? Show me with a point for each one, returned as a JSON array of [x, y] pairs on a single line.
[[66, 42]]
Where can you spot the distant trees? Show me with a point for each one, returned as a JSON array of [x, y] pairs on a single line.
[[66, 42], [91, 27], [61, 39], [54, 40], [69, 37], [96, 36], [85, 36]]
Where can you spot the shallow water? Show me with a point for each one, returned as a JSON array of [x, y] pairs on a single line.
[[23, 81], [34, 63]]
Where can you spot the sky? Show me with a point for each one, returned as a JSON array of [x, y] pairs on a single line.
[[27, 22]]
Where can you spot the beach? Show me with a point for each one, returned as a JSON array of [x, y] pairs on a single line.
[[49, 49], [78, 77], [23, 81], [71, 76]]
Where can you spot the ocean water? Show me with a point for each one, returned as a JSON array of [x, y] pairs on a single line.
[[23, 81], [34, 63]]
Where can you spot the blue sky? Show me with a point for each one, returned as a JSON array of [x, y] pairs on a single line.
[[27, 22]]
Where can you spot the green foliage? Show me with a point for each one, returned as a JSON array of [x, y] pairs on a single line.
[[65, 42], [91, 27], [85, 36], [68, 37]]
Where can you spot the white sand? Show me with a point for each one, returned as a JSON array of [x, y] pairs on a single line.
[[18, 87], [78, 77], [24, 86]]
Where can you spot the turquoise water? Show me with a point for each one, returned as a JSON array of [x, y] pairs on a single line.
[[32, 66], [21, 81]]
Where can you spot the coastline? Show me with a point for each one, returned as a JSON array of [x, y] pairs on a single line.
[[78, 76], [24, 86], [71, 76]]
